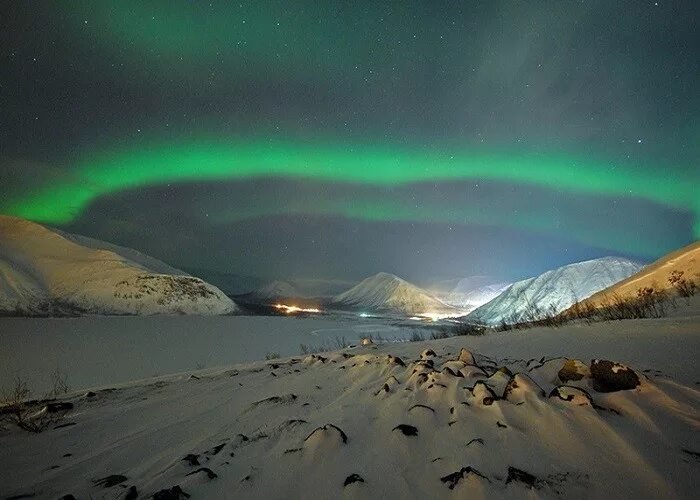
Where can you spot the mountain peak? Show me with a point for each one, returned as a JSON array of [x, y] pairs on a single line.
[[387, 292]]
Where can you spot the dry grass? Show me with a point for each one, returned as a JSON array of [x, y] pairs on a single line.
[[18, 409]]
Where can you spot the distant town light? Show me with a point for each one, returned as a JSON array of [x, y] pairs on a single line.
[[295, 309]]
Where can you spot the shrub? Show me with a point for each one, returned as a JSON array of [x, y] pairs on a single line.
[[34, 416], [684, 287]]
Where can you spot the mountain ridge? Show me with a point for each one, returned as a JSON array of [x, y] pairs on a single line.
[[50, 272], [553, 291]]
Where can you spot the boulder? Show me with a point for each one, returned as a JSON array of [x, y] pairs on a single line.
[[609, 376], [572, 395], [573, 370], [520, 387], [466, 357]]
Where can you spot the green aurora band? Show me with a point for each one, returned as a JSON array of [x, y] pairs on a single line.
[[60, 201]]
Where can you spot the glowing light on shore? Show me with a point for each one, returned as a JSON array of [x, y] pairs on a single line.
[[295, 309], [432, 316]]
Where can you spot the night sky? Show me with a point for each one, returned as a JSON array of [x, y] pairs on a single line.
[[333, 140]]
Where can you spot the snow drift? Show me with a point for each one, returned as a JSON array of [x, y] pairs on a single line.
[[416, 420], [553, 291], [49, 272]]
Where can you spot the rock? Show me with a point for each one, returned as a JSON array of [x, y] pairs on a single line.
[[519, 387], [428, 353], [191, 459], [448, 371], [353, 478], [392, 381], [394, 360], [204, 470], [611, 377], [327, 432], [498, 381], [573, 369], [385, 389], [109, 481], [522, 477], [58, 407], [216, 449], [239, 439], [483, 394], [285, 399], [367, 341], [174, 493], [466, 357], [67, 424], [406, 430], [470, 371], [504, 370], [131, 494], [425, 407], [89, 394], [452, 480], [572, 395]]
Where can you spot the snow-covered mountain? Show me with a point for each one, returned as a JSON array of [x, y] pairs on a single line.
[[474, 291], [685, 260], [387, 292], [45, 271], [553, 291]]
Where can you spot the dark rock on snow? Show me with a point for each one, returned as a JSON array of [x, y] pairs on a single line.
[[353, 478], [611, 377], [407, 430]]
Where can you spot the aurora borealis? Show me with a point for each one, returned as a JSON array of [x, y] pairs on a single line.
[[331, 140]]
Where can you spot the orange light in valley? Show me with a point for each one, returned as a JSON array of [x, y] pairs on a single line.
[[432, 316], [294, 309]]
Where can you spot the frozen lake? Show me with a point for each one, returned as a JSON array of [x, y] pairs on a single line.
[[100, 350]]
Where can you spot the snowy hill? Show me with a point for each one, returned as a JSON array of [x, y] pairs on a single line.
[[656, 275], [47, 272], [386, 292], [553, 291], [475, 291]]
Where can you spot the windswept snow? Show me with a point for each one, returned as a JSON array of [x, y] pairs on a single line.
[[495, 416], [553, 291], [43, 271], [387, 292]]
